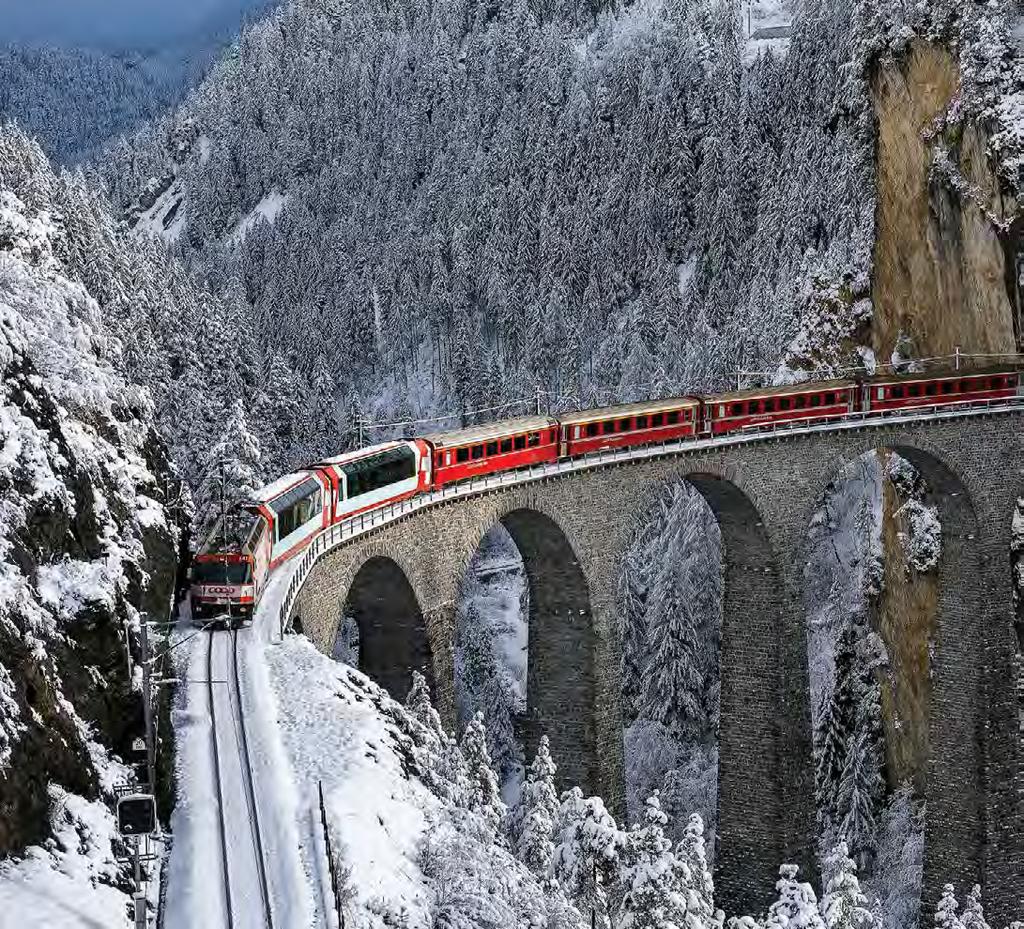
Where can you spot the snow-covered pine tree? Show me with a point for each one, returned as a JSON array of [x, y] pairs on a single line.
[[698, 885], [483, 796], [796, 905], [973, 914], [651, 878], [843, 905], [419, 703], [537, 812], [947, 912], [233, 464], [836, 727], [586, 856]]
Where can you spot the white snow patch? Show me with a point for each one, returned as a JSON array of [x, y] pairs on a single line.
[[685, 271], [68, 883], [266, 210], [166, 217]]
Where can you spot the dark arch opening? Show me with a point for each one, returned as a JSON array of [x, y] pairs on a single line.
[[762, 817], [549, 690], [392, 636]]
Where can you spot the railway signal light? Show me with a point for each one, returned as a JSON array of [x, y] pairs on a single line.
[[136, 815]]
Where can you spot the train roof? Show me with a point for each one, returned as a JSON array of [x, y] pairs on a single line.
[[804, 387], [628, 409], [281, 485], [495, 430], [359, 453], [944, 375]]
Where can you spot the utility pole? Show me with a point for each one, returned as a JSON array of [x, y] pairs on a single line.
[[147, 708], [224, 529], [958, 358]]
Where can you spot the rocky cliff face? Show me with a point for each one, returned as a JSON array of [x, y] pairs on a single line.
[[86, 550], [943, 273]]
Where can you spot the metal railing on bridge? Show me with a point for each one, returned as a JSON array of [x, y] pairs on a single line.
[[356, 526]]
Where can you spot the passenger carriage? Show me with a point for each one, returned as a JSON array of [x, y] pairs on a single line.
[[628, 424], [895, 392], [500, 446], [373, 477], [761, 407]]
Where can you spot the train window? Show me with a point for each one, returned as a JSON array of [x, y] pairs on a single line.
[[880, 393], [752, 406], [608, 427], [721, 411], [830, 399], [593, 429], [625, 425], [769, 406], [519, 442], [506, 445], [914, 390], [553, 435], [737, 409], [931, 389], [947, 387], [801, 401], [375, 471], [477, 451], [658, 419], [492, 448], [641, 422], [785, 403], [461, 455], [448, 458], [673, 417], [294, 513], [815, 399], [533, 439]]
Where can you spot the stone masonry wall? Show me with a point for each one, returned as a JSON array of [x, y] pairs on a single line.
[[763, 494]]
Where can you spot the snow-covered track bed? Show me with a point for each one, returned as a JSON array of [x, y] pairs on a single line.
[[245, 888]]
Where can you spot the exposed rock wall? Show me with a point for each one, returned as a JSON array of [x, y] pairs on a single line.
[[940, 276]]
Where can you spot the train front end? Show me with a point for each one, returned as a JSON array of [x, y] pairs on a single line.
[[222, 588]]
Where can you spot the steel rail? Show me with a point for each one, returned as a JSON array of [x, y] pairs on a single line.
[[353, 527], [250, 784], [219, 784]]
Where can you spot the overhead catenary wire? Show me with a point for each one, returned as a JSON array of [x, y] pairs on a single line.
[[558, 400]]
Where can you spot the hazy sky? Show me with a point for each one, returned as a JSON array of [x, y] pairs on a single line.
[[120, 23]]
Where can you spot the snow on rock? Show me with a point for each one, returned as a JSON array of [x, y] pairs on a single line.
[[266, 210], [166, 217], [921, 535], [71, 882]]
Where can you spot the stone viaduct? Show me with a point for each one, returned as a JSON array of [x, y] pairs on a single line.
[[402, 583]]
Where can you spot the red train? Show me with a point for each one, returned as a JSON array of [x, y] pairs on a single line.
[[231, 570]]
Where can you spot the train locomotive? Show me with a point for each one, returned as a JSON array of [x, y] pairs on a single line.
[[230, 571]]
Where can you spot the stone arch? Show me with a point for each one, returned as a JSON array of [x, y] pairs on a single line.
[[392, 632], [949, 675]]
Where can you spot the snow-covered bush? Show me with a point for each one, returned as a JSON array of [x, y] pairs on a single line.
[[921, 535]]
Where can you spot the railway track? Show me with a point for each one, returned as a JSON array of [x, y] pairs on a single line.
[[246, 890]]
